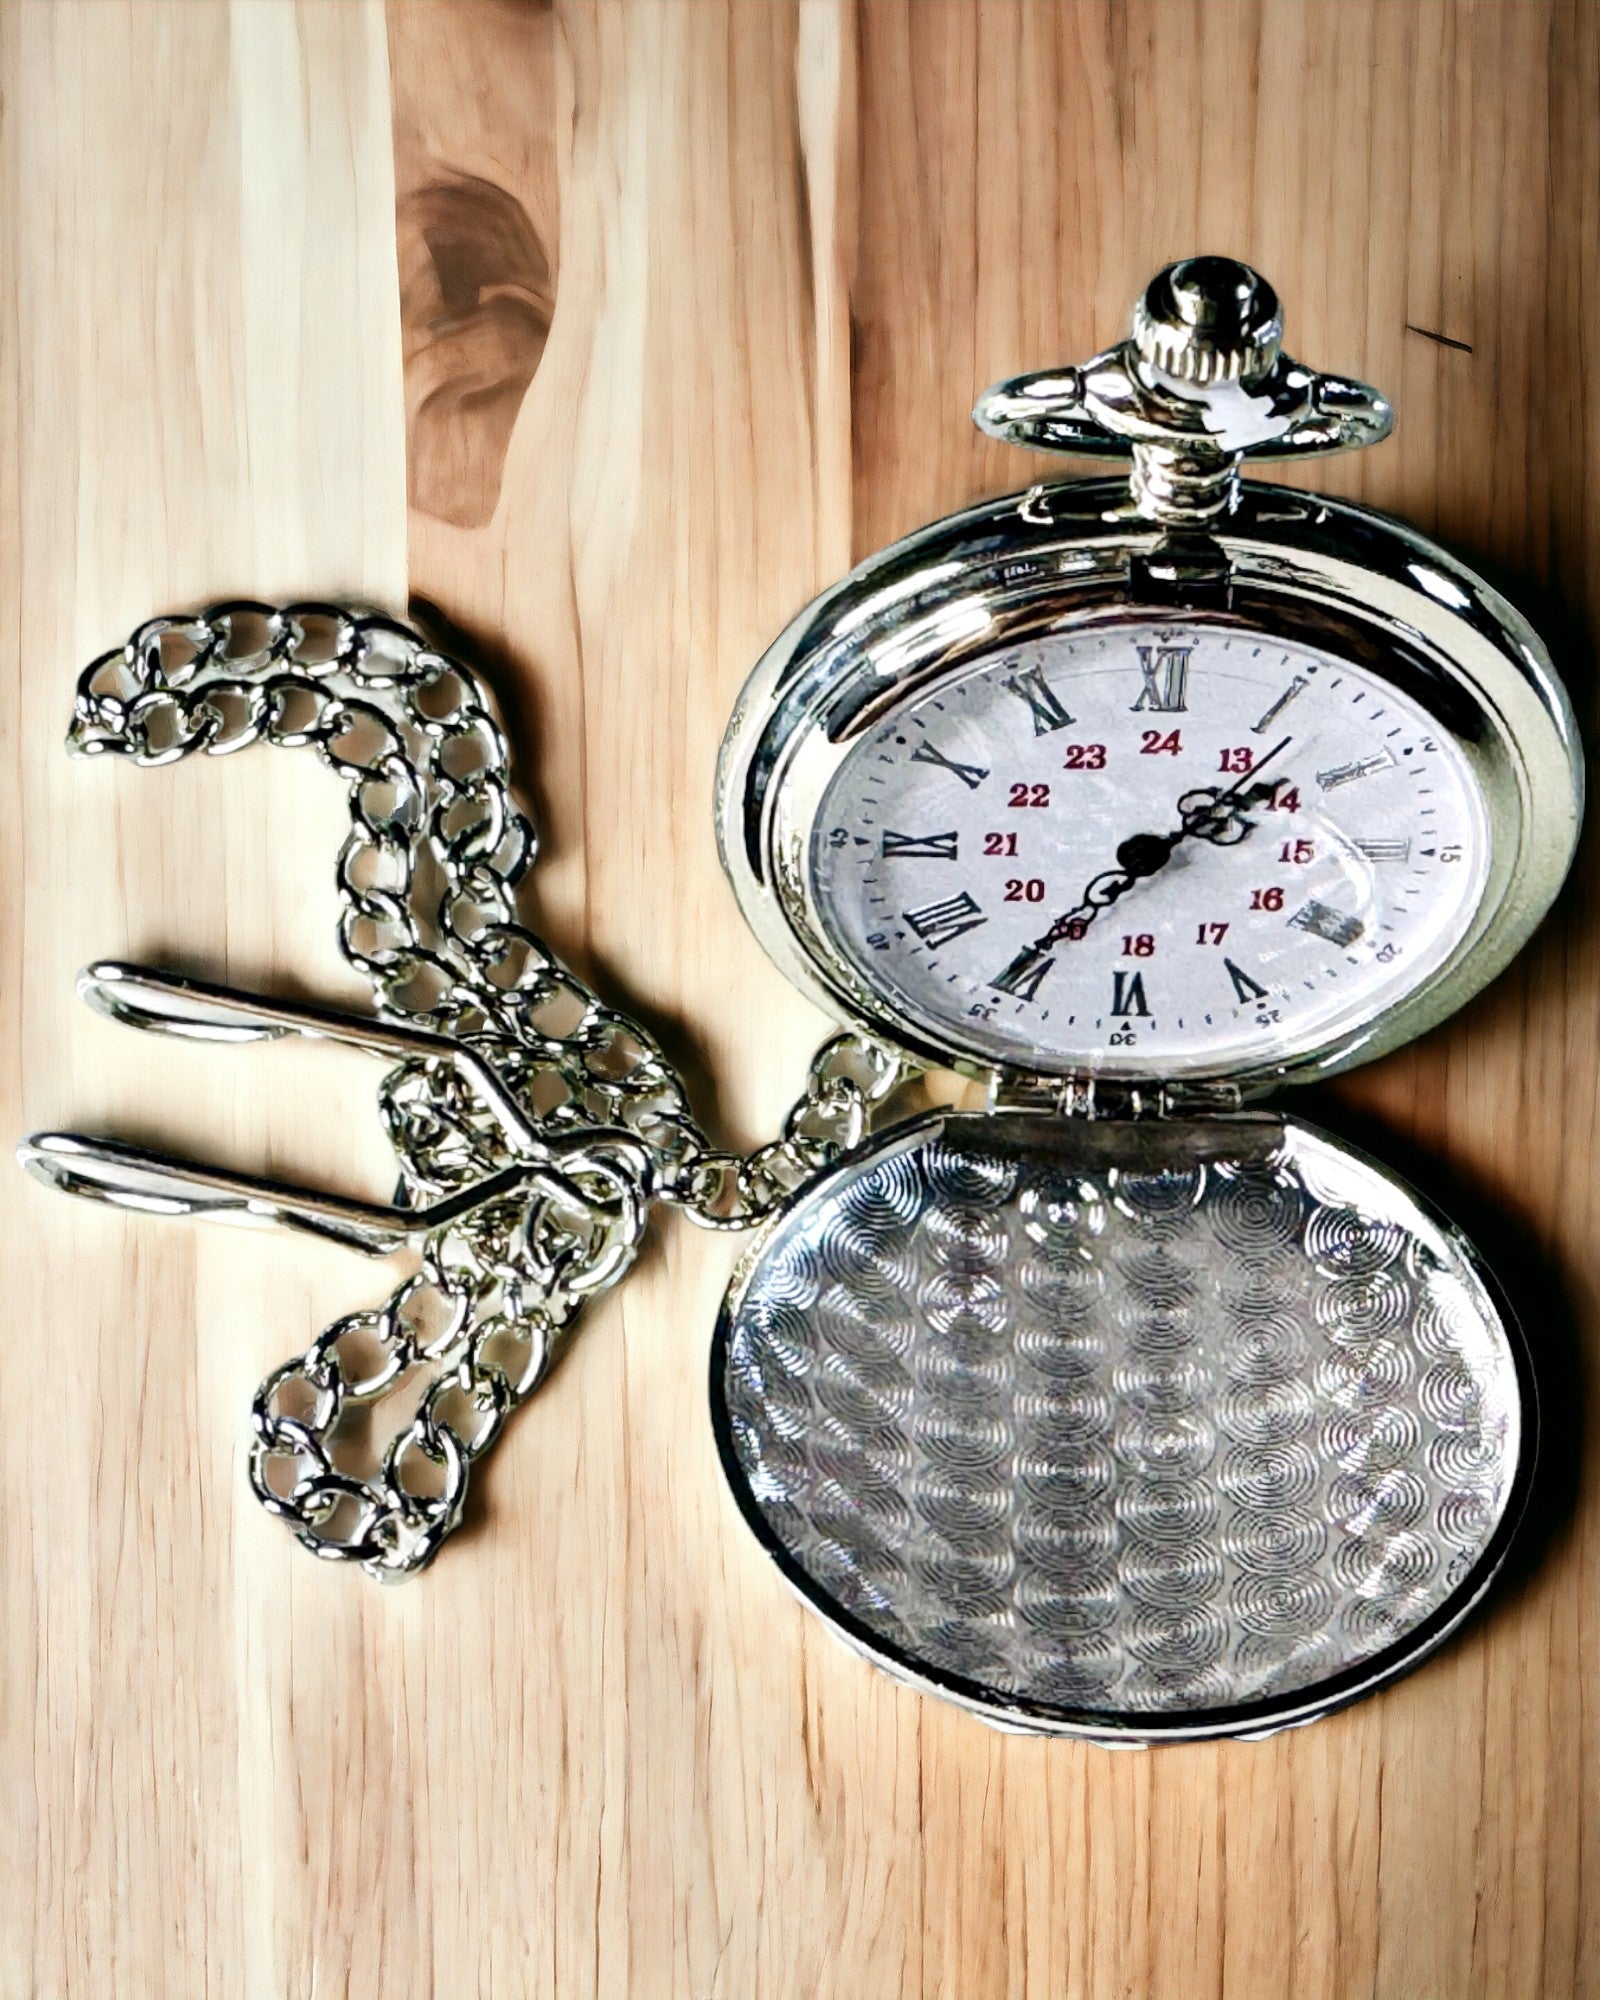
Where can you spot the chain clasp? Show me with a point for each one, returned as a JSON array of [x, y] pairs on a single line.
[[560, 1169]]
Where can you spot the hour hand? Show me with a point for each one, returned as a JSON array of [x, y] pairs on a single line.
[[1219, 816], [1216, 816]]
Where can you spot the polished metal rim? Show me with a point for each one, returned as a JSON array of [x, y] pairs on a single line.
[[929, 608]]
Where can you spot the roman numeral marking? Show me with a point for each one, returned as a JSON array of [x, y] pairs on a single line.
[[1346, 774], [920, 846], [1023, 975], [1247, 988], [1385, 850], [939, 924], [971, 775], [1032, 687], [1127, 993], [1324, 921], [1166, 679], [1296, 686]]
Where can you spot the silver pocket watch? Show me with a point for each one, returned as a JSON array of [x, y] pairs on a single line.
[[1130, 1406], [1126, 1407]]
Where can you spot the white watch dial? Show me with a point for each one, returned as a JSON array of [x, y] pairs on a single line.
[[1150, 848]]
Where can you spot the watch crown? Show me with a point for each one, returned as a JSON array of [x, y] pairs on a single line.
[[1207, 320]]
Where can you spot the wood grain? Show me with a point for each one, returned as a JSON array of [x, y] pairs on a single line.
[[659, 316]]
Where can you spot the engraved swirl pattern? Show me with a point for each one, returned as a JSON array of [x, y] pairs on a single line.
[[1109, 1430]]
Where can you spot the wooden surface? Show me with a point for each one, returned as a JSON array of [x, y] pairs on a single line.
[[613, 333]]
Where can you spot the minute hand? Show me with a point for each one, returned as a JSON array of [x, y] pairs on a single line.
[[1214, 816]]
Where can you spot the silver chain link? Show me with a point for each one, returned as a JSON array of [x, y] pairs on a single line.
[[428, 879]]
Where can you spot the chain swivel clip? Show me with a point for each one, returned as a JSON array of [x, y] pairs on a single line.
[[526, 1232]]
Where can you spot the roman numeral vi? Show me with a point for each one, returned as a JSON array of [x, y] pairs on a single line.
[[1127, 993]]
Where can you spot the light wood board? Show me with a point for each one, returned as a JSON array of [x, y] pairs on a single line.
[[613, 332]]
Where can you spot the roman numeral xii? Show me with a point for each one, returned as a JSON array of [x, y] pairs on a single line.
[[1166, 679]]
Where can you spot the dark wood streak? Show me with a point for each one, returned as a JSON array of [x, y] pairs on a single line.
[[477, 226], [476, 299], [1443, 339]]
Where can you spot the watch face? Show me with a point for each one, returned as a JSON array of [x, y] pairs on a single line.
[[1153, 847]]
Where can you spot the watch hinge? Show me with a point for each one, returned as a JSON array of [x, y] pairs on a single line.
[[1105, 1097], [1188, 570]]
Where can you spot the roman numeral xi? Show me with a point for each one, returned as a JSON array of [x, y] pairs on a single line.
[[1043, 703]]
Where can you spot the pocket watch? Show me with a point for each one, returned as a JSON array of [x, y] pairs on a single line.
[[1132, 1406]]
